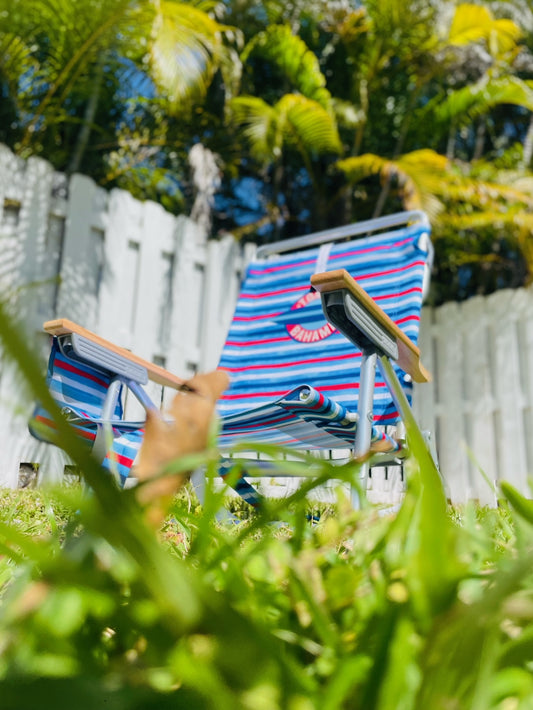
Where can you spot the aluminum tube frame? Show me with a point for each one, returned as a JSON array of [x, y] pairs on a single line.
[[365, 417], [104, 435], [331, 235]]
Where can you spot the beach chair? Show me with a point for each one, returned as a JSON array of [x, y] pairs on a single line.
[[321, 352]]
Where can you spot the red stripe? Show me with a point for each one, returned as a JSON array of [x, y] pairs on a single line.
[[407, 318], [272, 316], [282, 267], [246, 319], [388, 417], [258, 342], [343, 255], [120, 459], [415, 289], [369, 250], [295, 363], [359, 277], [281, 393], [390, 271], [61, 364], [250, 395], [85, 433], [266, 294]]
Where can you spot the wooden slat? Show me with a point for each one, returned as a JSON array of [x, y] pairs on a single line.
[[477, 398], [524, 305], [508, 388], [63, 326], [424, 397], [449, 360], [408, 353]]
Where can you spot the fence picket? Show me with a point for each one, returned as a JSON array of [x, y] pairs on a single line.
[[524, 314], [479, 401], [449, 400], [510, 397]]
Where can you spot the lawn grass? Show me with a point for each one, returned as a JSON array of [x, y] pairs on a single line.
[[430, 608], [345, 613]]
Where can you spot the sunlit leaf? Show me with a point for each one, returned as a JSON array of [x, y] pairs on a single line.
[[279, 45]]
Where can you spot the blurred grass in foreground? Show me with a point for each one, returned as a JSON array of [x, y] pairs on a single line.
[[429, 609]]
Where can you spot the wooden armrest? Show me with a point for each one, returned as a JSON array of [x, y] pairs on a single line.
[[157, 374], [408, 353]]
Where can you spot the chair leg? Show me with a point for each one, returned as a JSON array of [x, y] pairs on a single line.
[[104, 436], [365, 418], [198, 484]]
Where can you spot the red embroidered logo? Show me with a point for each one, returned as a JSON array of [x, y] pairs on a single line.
[[308, 335]]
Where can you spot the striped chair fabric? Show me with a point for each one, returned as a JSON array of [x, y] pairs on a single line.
[[289, 367], [80, 390]]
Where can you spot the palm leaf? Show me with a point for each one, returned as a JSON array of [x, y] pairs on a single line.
[[485, 195], [473, 101], [187, 45], [80, 34], [517, 222], [294, 59], [474, 23], [313, 128], [419, 174], [260, 126], [16, 60], [294, 119]]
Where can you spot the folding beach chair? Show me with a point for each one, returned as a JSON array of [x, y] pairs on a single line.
[[301, 351]]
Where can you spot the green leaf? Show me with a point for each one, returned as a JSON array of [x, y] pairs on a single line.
[[470, 102], [287, 51], [522, 505]]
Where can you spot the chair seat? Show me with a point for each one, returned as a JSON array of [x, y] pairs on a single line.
[[303, 418]]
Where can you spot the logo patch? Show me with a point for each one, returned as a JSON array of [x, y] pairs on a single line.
[[311, 326]]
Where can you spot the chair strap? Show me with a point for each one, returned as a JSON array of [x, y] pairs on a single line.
[[322, 258]]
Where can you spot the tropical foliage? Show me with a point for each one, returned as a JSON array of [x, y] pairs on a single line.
[[317, 113]]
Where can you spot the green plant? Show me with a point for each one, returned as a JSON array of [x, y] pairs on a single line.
[[428, 608]]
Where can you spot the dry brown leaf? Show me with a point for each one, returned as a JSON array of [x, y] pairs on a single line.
[[191, 413]]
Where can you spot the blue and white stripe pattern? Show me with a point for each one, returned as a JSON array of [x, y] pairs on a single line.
[[80, 390], [280, 341]]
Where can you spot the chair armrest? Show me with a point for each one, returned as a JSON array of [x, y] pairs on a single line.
[[156, 373], [372, 324]]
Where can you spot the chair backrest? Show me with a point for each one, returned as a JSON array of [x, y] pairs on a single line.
[[279, 338], [79, 389]]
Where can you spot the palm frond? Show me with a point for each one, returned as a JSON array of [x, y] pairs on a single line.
[[310, 124], [474, 23], [187, 45], [477, 100], [294, 119], [259, 122], [16, 60], [417, 174], [278, 45], [80, 33]]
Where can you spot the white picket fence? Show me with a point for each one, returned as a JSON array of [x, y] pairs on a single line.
[[480, 403], [153, 283]]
